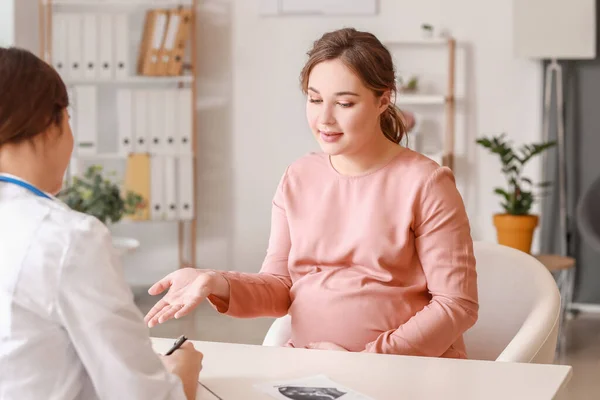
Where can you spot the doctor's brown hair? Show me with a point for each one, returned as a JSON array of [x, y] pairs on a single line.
[[364, 54], [32, 96]]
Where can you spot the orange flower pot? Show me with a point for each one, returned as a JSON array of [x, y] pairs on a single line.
[[516, 230]]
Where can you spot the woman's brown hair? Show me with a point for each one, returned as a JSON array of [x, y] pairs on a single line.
[[32, 96], [364, 54]]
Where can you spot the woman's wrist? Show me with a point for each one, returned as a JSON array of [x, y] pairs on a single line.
[[219, 286]]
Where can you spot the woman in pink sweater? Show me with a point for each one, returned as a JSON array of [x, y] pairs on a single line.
[[370, 246]]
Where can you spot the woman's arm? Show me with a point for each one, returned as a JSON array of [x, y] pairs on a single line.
[[236, 294], [268, 292], [445, 248]]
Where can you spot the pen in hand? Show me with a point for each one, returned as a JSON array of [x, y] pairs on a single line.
[[180, 340]]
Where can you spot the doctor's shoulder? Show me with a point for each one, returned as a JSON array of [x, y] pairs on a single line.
[[75, 227]]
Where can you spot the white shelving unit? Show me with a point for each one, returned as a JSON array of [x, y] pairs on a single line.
[[446, 101], [440, 42], [48, 9], [420, 99], [140, 80], [96, 3]]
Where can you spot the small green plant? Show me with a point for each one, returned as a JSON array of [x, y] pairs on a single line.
[[410, 85], [519, 197], [95, 195]]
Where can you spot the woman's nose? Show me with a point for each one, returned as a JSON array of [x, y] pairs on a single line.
[[327, 117]]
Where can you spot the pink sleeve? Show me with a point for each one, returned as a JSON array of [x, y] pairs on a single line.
[[445, 248], [266, 294]]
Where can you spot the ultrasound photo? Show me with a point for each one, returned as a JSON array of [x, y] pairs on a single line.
[[310, 393], [317, 387]]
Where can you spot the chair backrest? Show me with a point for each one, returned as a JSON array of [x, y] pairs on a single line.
[[588, 215], [519, 309], [279, 333]]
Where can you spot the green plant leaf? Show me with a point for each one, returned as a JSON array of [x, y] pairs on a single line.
[[95, 195], [516, 200], [502, 193]]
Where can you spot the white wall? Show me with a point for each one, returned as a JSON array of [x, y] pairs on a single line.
[[18, 24], [26, 21], [245, 146], [269, 127], [7, 13]]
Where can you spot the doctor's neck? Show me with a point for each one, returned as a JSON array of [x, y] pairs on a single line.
[[24, 161]]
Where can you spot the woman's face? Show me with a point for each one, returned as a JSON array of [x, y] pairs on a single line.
[[342, 112]]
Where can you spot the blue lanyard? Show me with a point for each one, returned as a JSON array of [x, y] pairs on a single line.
[[25, 185]]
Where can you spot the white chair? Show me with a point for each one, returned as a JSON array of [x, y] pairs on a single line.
[[519, 309]]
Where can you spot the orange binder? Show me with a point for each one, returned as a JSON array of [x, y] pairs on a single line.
[[175, 65], [155, 26], [137, 179], [166, 51]]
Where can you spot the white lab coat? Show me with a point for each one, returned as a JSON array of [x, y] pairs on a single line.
[[69, 328]]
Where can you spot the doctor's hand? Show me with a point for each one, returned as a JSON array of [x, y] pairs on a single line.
[[187, 288], [185, 362]]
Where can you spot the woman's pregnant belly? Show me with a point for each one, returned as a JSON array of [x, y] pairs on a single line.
[[345, 307]]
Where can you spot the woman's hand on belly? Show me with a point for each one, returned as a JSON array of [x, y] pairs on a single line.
[[325, 346]]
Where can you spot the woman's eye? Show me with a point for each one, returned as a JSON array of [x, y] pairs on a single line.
[[315, 100], [346, 105]]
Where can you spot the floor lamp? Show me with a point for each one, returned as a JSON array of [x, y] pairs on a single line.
[[554, 74]]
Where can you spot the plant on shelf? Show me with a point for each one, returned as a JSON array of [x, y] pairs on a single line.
[[516, 225], [408, 84], [95, 195], [427, 30]]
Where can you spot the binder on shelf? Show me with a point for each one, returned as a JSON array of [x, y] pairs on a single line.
[[74, 45], [170, 129], [170, 188], [155, 26], [125, 115], [86, 136], [121, 46], [90, 46], [106, 46], [157, 190], [156, 111], [185, 187], [184, 121], [137, 180], [140, 122], [185, 22], [59, 44], [166, 51]]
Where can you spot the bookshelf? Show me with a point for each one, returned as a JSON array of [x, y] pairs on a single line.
[[121, 80], [447, 100]]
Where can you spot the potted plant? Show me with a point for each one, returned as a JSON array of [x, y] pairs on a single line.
[[516, 225], [95, 195]]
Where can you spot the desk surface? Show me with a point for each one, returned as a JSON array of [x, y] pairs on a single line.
[[231, 370]]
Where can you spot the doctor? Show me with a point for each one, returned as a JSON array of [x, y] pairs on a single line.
[[69, 328]]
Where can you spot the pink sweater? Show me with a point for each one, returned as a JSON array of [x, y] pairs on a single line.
[[381, 262]]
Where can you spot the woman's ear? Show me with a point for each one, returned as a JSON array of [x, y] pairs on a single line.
[[385, 100]]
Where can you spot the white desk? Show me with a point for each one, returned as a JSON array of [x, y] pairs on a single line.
[[231, 370]]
